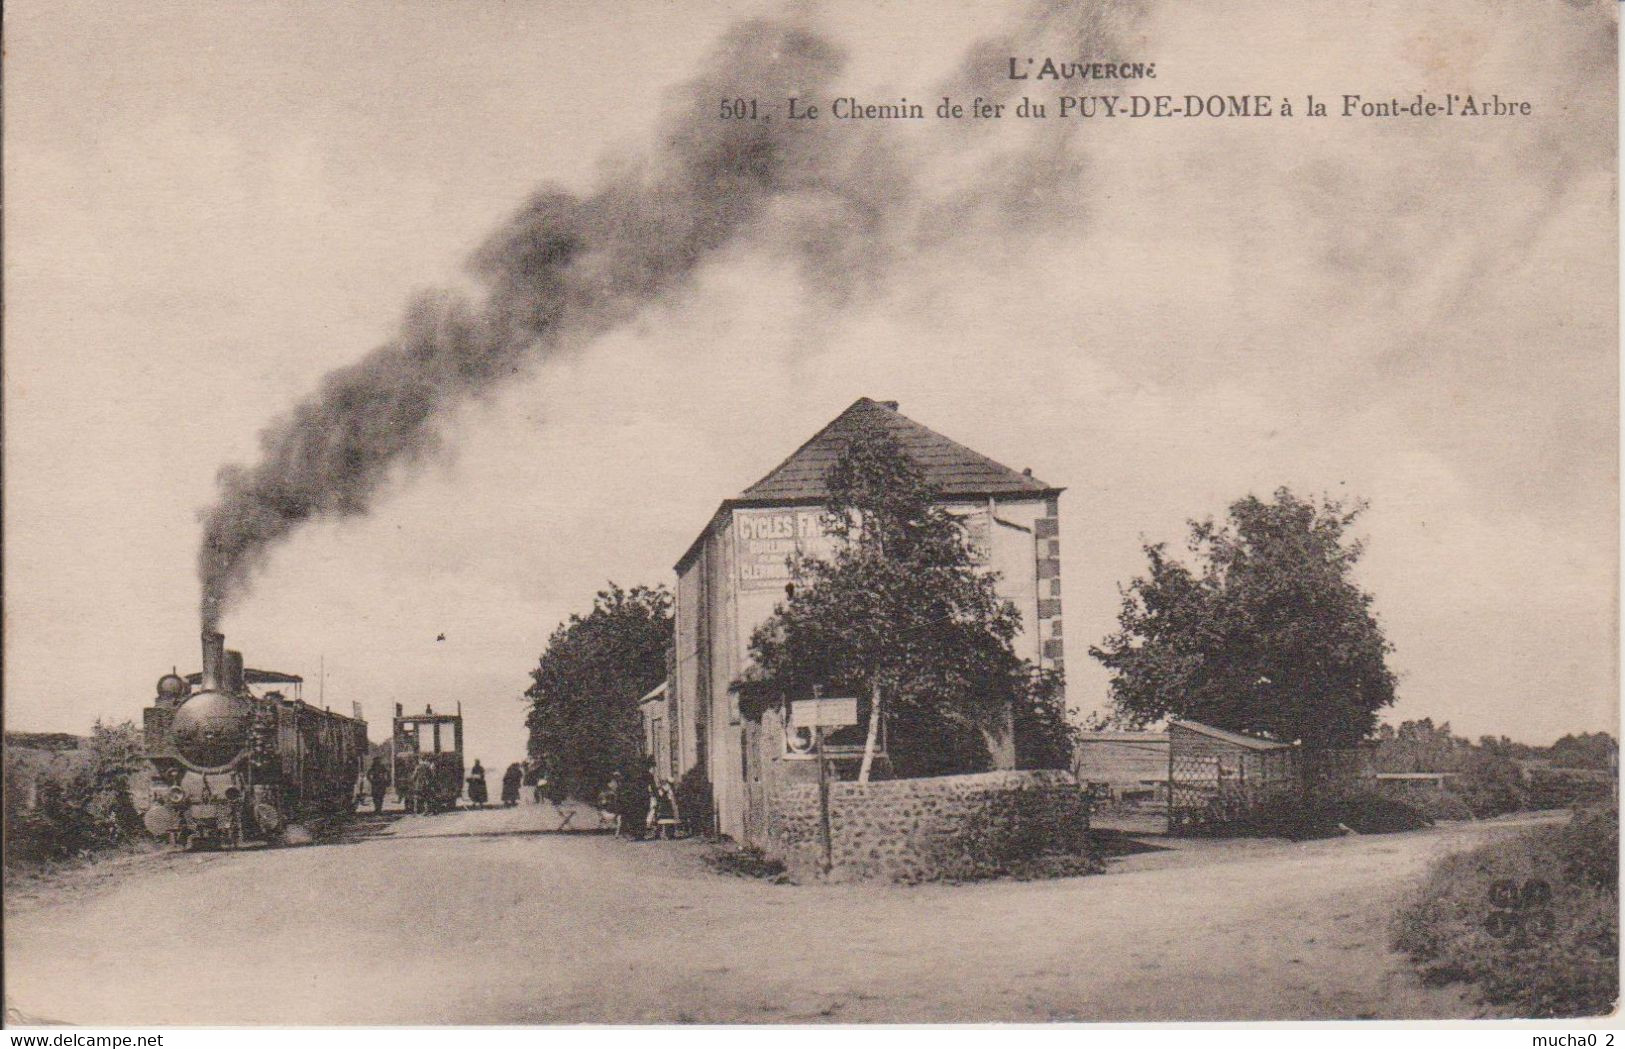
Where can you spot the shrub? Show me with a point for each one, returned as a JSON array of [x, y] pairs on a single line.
[[1375, 814], [1045, 736], [1024, 833], [1301, 819], [81, 799], [1533, 920], [1491, 785], [1434, 804], [1561, 789], [747, 862]]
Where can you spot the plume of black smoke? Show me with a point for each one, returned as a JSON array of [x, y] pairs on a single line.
[[568, 268]]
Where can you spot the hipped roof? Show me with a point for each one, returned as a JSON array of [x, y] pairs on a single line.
[[952, 470]]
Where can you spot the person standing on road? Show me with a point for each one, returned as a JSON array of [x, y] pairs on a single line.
[[378, 780], [609, 804], [651, 799], [510, 784], [423, 787], [476, 784]]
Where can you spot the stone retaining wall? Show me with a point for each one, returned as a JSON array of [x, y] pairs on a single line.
[[940, 828]]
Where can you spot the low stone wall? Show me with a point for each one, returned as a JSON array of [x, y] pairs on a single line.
[[940, 828]]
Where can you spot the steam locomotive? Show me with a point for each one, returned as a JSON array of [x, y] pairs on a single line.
[[232, 764]]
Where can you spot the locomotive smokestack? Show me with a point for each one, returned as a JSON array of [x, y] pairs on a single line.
[[233, 675], [214, 660]]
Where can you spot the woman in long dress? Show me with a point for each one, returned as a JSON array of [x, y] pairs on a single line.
[[476, 784], [510, 784]]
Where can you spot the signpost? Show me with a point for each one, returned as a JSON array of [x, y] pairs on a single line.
[[824, 829], [819, 713], [824, 712]]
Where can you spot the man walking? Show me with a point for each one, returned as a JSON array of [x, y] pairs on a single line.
[[378, 779], [423, 787]]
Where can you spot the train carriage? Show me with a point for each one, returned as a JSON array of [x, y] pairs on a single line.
[[433, 742]]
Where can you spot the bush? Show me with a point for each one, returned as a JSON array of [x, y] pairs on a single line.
[[747, 862], [1375, 814], [1045, 736], [81, 800], [1434, 804], [1562, 789], [1588, 852], [1491, 785], [1300, 819], [1023, 834], [1533, 920]]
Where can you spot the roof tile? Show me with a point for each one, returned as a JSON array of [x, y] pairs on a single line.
[[949, 467]]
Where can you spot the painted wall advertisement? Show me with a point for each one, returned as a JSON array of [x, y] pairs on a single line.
[[765, 540]]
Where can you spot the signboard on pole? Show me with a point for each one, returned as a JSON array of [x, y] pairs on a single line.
[[824, 712]]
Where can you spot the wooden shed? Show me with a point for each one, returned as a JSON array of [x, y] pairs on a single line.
[[1129, 765], [1216, 776]]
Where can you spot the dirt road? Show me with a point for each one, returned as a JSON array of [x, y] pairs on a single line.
[[491, 917]]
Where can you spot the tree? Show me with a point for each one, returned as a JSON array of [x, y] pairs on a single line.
[[1588, 750], [901, 612], [1421, 746], [583, 719], [1046, 731], [1267, 633]]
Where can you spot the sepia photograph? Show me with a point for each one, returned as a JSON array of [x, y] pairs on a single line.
[[538, 513]]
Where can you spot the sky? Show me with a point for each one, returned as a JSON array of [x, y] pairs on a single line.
[[210, 207]]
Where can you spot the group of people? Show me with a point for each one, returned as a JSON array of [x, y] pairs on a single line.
[[519, 774], [417, 792], [527, 774], [640, 806], [511, 779]]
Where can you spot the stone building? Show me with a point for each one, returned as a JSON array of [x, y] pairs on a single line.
[[734, 573]]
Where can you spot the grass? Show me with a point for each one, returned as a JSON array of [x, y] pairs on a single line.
[[1532, 922]]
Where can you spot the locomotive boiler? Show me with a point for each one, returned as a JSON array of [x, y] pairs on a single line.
[[236, 760]]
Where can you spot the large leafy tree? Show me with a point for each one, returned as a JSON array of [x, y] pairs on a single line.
[[583, 718], [901, 612], [1266, 632]]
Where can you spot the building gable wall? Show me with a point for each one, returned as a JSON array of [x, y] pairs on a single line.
[[734, 577]]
